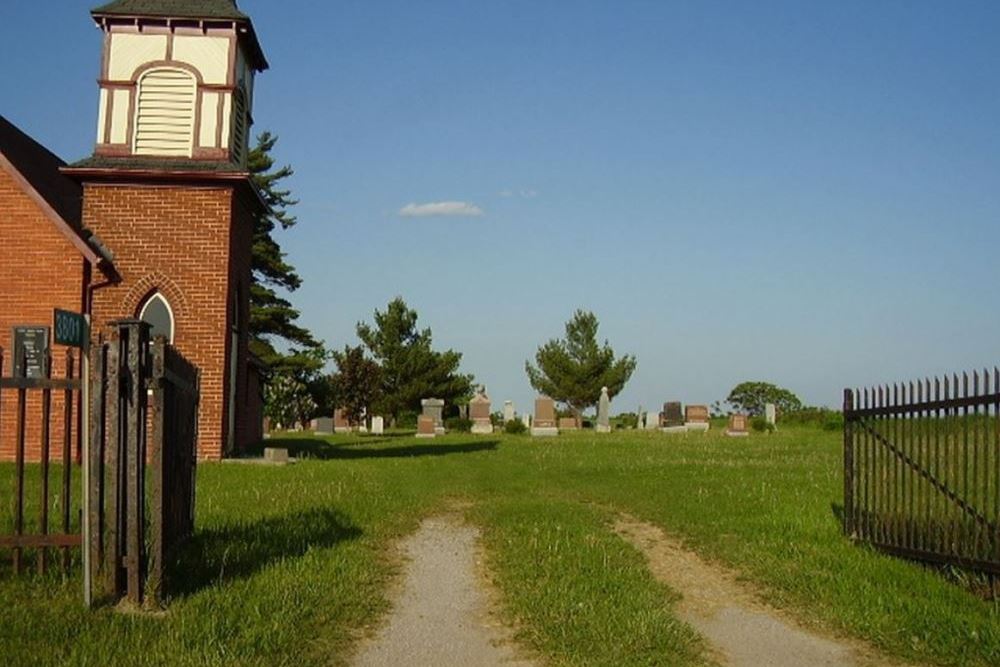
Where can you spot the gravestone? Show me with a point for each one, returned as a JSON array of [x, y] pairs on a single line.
[[672, 418], [509, 414], [425, 427], [322, 426], [652, 422], [526, 420], [738, 426], [276, 455], [639, 418], [479, 413], [434, 408], [378, 425], [604, 412], [544, 423], [568, 424], [340, 423], [463, 412], [771, 414], [696, 418]]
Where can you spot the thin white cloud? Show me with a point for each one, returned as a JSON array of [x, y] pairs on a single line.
[[525, 193], [441, 208]]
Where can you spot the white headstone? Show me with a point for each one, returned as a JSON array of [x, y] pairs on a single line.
[[526, 420], [604, 412], [378, 425], [652, 421], [771, 413], [508, 411]]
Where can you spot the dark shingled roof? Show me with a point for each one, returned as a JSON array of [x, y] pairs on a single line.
[[41, 169], [157, 164], [193, 9]]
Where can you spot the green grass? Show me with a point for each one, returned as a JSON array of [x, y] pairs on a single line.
[[291, 564]]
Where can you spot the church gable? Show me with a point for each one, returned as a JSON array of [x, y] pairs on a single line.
[[34, 171]]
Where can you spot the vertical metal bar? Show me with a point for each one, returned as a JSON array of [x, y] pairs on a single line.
[[996, 462], [19, 459], [911, 514], [43, 514], [869, 466], [974, 490], [962, 542], [897, 472], [848, 464], [880, 449], [939, 471], [67, 460]]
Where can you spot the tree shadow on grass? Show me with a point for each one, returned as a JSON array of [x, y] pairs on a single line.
[[327, 451], [234, 552]]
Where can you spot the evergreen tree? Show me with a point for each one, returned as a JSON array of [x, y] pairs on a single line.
[[411, 369], [272, 316], [573, 370]]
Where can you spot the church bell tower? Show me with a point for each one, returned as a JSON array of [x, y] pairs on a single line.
[[168, 192], [177, 80]]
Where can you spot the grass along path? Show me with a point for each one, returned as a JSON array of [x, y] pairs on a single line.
[[293, 565]]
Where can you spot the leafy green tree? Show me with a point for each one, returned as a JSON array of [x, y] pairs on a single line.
[[573, 370], [411, 368], [298, 390], [751, 397], [288, 401], [273, 319], [357, 384]]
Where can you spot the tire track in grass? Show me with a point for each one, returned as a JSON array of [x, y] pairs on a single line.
[[742, 631], [442, 615]]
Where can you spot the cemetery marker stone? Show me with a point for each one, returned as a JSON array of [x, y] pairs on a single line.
[[604, 412], [738, 426], [696, 418], [425, 427], [544, 424], [479, 413]]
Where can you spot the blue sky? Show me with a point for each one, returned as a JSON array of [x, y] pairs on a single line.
[[804, 193]]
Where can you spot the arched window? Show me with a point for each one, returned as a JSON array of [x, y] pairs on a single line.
[[158, 314], [164, 114]]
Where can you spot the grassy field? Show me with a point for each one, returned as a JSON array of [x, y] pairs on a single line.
[[291, 564]]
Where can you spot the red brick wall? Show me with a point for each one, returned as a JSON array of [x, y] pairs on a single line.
[[41, 270], [179, 240]]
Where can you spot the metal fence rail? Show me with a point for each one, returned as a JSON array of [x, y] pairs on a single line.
[[922, 469], [38, 537]]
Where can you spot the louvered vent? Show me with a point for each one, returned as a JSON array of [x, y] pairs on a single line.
[[165, 113], [239, 127]]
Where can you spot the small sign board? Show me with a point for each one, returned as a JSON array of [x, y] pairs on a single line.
[[31, 346], [70, 328]]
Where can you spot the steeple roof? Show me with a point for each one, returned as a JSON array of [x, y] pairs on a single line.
[[189, 9], [192, 10]]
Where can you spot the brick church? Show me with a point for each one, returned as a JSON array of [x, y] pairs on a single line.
[[157, 224]]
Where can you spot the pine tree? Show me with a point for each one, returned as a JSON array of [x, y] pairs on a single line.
[[411, 369], [573, 370], [273, 319]]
